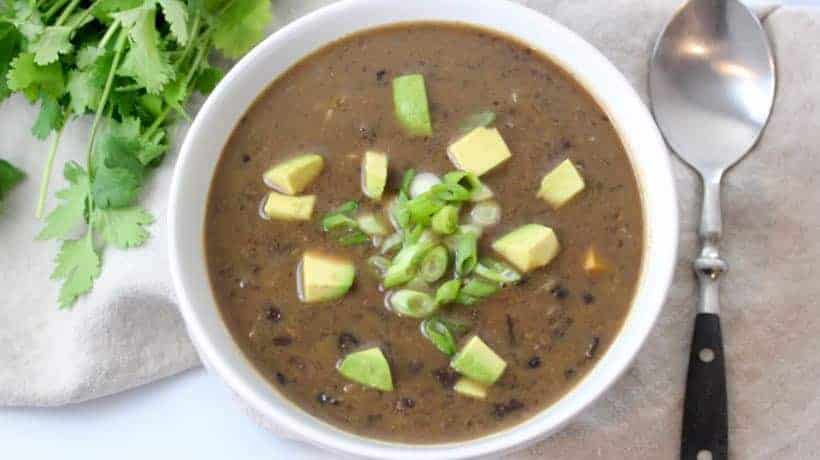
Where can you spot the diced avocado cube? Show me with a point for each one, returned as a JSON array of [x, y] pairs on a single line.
[[284, 207], [470, 388], [528, 247], [324, 277], [478, 362], [410, 101], [374, 174], [481, 150], [368, 367], [292, 176], [594, 264], [561, 184]]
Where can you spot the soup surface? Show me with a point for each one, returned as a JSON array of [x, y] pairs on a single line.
[[549, 327]]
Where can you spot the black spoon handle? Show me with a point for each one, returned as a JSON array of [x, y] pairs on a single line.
[[705, 419]]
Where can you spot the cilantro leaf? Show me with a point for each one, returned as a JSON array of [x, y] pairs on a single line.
[[117, 172], [26, 19], [51, 43], [72, 210], [32, 79], [10, 41], [78, 265], [123, 228], [176, 15], [49, 119], [144, 62], [240, 26], [207, 79], [83, 91], [9, 177]]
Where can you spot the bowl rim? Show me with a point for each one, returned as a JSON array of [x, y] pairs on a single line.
[[646, 151]]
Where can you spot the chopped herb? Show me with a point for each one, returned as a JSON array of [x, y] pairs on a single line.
[[448, 292], [466, 251], [9, 177], [437, 332], [133, 64], [480, 119]]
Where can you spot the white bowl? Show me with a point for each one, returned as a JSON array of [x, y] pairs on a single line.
[[237, 91]]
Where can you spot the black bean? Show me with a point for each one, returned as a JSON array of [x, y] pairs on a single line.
[[566, 144], [510, 330], [414, 367], [246, 158], [273, 314], [325, 398], [569, 373], [282, 341], [534, 362], [280, 377], [592, 348], [405, 403], [559, 292], [347, 342], [501, 410], [380, 74], [446, 377], [588, 298]]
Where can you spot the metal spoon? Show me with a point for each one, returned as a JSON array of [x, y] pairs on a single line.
[[712, 85]]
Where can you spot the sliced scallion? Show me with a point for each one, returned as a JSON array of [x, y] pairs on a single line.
[[414, 304], [437, 332], [434, 264], [372, 225], [422, 183], [392, 243], [445, 221], [354, 238], [466, 251], [447, 292], [476, 120], [403, 267], [486, 213], [497, 271], [379, 264], [475, 287]]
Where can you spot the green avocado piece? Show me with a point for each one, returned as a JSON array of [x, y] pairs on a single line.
[[292, 176], [561, 184], [528, 247], [410, 101], [374, 174], [324, 277], [470, 388], [368, 367], [478, 362]]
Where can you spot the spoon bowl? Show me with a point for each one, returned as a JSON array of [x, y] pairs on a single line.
[[712, 82]]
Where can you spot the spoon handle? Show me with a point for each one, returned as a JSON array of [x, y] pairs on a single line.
[[705, 421], [705, 408]]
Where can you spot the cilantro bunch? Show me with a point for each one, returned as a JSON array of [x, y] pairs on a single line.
[[133, 64]]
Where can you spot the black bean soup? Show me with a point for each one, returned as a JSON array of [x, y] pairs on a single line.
[[424, 233]]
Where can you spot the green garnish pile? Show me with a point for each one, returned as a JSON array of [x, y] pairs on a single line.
[[428, 244], [133, 64], [9, 177]]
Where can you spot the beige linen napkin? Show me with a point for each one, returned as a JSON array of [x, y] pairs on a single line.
[[128, 331]]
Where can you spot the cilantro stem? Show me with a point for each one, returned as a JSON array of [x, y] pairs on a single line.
[[119, 48], [157, 122], [67, 12], [52, 152], [108, 34], [54, 8]]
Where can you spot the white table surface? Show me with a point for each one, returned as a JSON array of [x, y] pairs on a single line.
[[192, 415]]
